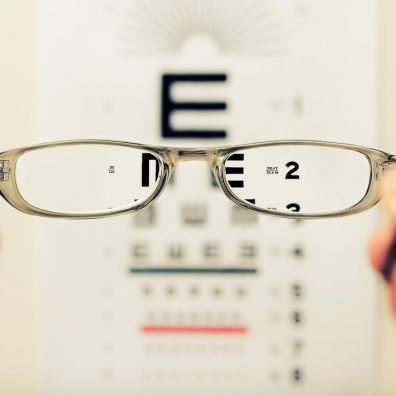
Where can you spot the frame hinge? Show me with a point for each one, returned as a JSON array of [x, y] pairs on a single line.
[[4, 170], [382, 165]]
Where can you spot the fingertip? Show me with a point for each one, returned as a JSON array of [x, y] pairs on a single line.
[[388, 191], [379, 243]]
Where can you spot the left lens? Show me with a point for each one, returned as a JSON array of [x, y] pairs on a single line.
[[87, 178], [307, 179]]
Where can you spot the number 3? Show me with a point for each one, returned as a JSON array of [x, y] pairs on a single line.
[[294, 207]]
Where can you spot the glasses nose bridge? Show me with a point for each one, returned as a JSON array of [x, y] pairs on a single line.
[[178, 155]]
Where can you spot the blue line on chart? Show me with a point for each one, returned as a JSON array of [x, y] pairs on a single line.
[[189, 270]]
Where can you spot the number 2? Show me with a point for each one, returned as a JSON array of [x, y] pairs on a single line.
[[294, 168]]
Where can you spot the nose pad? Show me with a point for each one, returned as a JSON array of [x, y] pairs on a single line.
[[213, 180], [177, 155]]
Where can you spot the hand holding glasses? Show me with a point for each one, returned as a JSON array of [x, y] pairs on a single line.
[[99, 178]]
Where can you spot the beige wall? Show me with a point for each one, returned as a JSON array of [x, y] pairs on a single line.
[[17, 275], [17, 327]]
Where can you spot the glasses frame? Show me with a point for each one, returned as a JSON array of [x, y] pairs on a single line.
[[170, 157]]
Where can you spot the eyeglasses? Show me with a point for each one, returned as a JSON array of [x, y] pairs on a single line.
[[99, 178]]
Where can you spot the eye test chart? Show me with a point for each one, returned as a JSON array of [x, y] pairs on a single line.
[[194, 295]]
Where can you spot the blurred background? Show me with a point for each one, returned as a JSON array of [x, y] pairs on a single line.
[[310, 317]]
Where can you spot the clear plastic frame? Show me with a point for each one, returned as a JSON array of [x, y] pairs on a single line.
[[81, 179]]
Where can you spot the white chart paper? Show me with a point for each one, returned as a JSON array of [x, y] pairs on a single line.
[[258, 306]]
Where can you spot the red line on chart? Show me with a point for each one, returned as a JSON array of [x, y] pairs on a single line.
[[164, 329]]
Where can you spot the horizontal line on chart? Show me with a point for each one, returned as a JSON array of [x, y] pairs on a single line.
[[192, 270], [236, 157], [165, 329], [236, 183], [233, 170]]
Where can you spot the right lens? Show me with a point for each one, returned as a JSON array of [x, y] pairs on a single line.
[[303, 178], [87, 178]]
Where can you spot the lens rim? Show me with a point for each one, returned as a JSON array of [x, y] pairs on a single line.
[[370, 198], [13, 196]]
